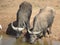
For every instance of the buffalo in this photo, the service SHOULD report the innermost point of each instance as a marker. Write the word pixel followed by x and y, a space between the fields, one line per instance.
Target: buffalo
pixel 23 18
pixel 42 23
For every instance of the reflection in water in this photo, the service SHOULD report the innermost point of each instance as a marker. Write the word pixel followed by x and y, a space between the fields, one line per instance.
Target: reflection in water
pixel 1 39
pixel 13 41
pixel 8 41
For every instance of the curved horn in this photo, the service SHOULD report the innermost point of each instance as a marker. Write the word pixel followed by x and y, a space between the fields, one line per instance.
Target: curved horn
pixel 16 28
pixel 36 32
pixel 33 32
pixel 30 32
pixel 0 27
pixel 20 29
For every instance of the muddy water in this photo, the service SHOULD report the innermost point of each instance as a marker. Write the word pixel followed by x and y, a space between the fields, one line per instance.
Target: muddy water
pixel 7 40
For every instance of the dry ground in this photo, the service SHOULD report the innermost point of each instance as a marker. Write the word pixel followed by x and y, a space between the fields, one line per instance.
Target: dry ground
pixel 8 10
